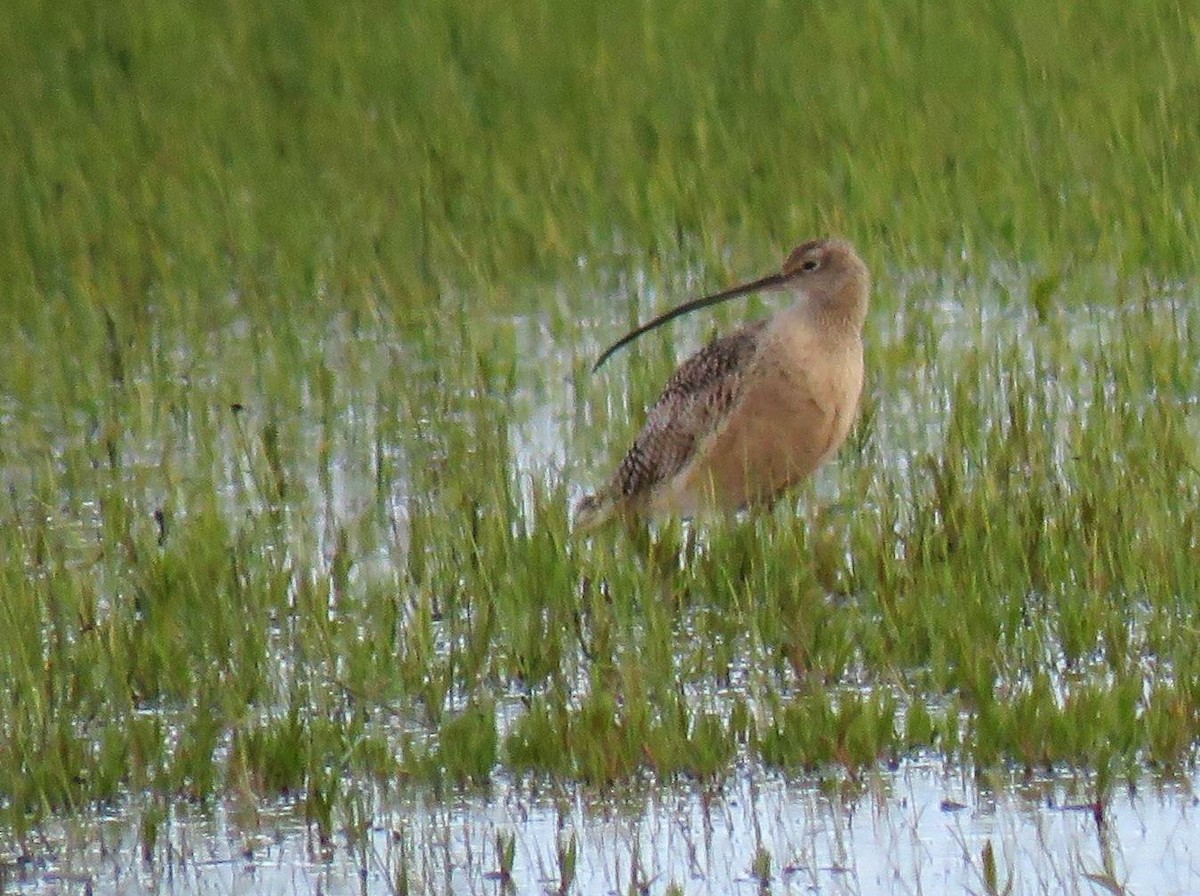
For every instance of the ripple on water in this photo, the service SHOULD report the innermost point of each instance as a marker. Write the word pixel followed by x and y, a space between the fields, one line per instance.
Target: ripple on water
pixel 919 828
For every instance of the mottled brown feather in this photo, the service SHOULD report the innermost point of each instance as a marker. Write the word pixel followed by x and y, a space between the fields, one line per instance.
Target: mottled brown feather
pixel 695 400
pixel 758 410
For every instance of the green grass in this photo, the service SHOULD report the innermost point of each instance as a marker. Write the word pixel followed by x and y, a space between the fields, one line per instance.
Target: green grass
pixel 301 304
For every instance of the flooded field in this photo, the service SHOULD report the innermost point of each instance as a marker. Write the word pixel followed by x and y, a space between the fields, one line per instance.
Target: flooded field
pixel 793 793
pixel 917 829
pixel 300 306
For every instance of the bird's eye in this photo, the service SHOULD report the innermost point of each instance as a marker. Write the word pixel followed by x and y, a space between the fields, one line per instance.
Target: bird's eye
pixel 810 265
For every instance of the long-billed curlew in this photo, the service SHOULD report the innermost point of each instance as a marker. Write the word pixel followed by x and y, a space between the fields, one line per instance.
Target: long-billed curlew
pixel 757 410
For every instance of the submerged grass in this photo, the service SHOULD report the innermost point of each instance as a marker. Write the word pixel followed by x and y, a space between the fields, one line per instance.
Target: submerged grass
pixel 293 418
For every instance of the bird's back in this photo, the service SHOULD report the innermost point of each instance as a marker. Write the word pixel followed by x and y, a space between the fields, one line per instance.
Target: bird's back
pixel 695 402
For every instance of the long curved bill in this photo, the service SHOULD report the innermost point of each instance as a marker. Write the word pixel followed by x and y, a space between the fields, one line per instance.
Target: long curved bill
pixel 771 281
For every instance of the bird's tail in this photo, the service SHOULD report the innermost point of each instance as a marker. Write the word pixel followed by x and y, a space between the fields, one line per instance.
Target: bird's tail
pixel 594 511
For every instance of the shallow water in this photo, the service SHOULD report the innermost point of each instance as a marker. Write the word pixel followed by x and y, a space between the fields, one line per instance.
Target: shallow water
pixel 918 829
pixel 923 828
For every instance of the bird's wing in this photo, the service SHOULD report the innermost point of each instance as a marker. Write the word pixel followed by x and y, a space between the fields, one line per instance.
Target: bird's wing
pixel 697 397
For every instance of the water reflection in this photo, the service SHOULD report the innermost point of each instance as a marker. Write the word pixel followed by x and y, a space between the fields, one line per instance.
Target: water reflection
pixel 352 437
pixel 918 829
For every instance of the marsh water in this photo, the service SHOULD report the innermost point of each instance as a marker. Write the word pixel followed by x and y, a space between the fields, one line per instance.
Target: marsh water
pixel 921 828
pixel 300 303
pixel 925 825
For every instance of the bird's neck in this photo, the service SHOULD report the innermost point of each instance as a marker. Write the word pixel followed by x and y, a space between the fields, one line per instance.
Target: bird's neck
pixel 836 319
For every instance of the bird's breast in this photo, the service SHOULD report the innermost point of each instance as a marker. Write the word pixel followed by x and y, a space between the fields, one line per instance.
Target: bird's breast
pixel 796 404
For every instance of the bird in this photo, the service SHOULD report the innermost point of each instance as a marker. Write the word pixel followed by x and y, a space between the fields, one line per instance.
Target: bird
pixel 754 411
